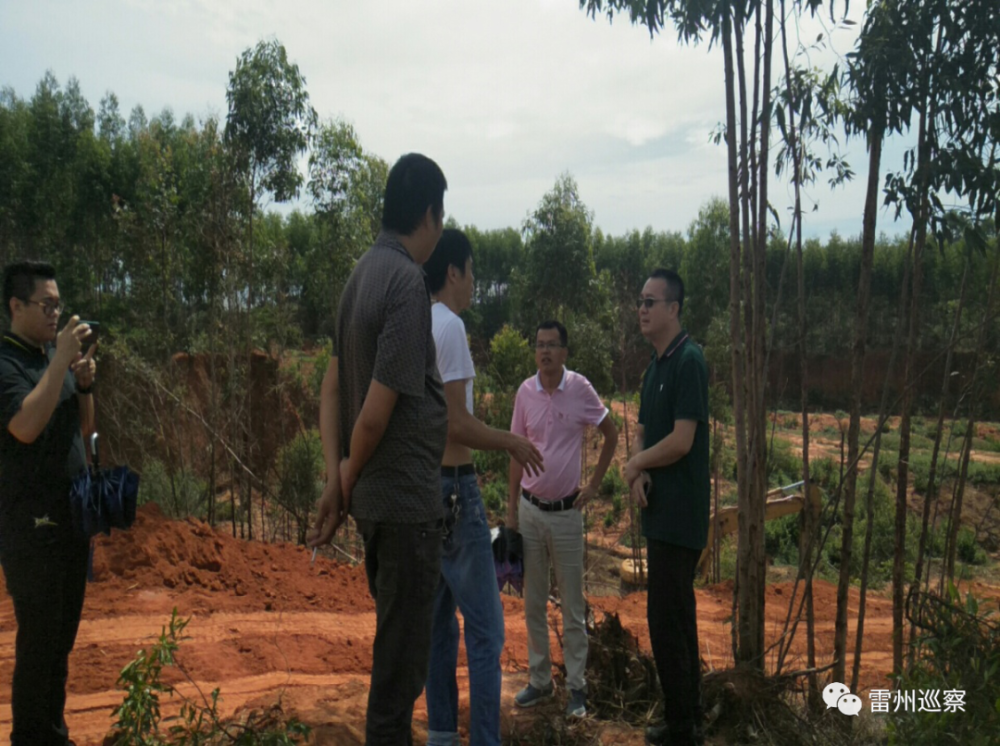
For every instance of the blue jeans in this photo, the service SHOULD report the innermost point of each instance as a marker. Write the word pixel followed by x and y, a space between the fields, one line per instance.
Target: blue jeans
pixel 468 582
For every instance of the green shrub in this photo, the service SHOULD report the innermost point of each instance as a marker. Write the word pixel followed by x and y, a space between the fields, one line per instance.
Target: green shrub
pixel 299 467
pixel 494 406
pixel 617 503
pixel 783 466
pixel 781 540
pixel 986 444
pixel 883 542
pixel 883 520
pixel 613 483
pixel 322 362
pixel 824 473
pixel 589 351
pixel 614 515
pixel 984 474
pixel 727 558
pixel 137 718
pixel 179 494
pixel 626 540
pixel 957 649
pixel 495 496
pixel 967 549
pixel 511 359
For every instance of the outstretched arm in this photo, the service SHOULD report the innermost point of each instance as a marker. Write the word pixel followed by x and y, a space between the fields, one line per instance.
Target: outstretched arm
pixel 465 429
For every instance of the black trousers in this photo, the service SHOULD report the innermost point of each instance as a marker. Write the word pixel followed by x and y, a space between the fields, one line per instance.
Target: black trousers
pixel 47 584
pixel 673 632
pixel 403 565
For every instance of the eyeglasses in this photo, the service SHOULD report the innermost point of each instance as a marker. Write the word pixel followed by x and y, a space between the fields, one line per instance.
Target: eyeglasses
pixel 648 303
pixel 548 345
pixel 48 307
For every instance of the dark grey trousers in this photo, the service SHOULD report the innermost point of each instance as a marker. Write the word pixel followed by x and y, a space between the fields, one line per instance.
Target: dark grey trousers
pixel 403 564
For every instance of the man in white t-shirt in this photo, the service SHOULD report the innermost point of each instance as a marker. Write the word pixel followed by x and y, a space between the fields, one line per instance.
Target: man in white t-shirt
pixel 468 579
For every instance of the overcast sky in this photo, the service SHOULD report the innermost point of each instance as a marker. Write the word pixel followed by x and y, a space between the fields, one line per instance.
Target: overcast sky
pixel 504 95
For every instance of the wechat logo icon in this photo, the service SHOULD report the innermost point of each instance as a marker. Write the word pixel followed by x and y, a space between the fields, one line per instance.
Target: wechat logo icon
pixel 837 695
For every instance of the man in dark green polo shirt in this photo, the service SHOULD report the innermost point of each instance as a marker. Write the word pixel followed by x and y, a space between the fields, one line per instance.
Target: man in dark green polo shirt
pixel 668 478
pixel 45 407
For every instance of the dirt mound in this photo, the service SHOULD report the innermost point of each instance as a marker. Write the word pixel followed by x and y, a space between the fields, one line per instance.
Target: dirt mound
pixel 190 555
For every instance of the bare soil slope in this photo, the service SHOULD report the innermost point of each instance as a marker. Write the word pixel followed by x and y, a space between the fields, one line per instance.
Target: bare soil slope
pixel 267 625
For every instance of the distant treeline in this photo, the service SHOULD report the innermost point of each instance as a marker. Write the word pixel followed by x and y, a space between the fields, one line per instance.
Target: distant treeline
pixel 154 229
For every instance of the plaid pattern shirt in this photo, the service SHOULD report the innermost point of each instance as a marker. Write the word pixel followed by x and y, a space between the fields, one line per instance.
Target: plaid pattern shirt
pixel 384 334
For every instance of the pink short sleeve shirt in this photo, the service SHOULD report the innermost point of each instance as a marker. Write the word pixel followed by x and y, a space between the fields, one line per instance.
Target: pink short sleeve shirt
pixel 555 424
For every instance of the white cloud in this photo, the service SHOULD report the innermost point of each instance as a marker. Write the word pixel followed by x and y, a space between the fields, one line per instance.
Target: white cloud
pixel 505 96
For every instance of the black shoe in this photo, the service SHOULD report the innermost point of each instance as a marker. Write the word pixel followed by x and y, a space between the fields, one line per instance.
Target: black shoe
pixel 661 735
pixel 658 735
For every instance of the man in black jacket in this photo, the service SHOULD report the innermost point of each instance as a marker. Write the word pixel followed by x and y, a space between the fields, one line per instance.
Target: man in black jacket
pixel 45 409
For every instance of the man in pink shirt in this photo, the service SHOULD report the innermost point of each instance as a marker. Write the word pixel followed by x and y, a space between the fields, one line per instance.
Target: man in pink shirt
pixel 552 410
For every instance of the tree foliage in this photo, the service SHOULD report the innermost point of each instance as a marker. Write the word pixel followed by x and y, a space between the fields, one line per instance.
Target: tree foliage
pixel 270 120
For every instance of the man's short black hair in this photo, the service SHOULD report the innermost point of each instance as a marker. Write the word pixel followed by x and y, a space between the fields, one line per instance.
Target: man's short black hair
pixel 20 278
pixel 553 324
pixel 675 286
pixel 452 250
pixel 414 184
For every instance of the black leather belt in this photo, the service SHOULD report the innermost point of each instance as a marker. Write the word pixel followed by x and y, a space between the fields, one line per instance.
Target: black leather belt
pixel 550 505
pixel 458 471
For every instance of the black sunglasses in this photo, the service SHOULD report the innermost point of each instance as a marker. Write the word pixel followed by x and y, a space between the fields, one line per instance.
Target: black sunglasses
pixel 648 303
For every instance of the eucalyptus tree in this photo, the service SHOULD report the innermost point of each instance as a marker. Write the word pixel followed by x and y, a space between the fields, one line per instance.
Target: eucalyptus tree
pixel 269 124
pixel 497 252
pixel 558 270
pixel 747 135
pixel 558 278
pixel 14 171
pixel 346 184
pixel 937 61
pixel 808 111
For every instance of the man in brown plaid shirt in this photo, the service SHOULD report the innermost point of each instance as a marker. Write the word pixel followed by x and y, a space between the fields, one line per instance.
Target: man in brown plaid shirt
pixel 383 421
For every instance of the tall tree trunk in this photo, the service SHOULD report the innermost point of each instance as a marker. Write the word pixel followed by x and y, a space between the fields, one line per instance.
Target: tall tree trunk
pixel 955 518
pixel 807 517
pixel 931 494
pixel 737 338
pixel 809 524
pixel 883 413
pixel 751 557
pixel 248 446
pixel 747 297
pixel 849 480
pixel 903 468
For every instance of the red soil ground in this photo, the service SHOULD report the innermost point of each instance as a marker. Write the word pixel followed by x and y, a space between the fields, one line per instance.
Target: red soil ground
pixel 266 625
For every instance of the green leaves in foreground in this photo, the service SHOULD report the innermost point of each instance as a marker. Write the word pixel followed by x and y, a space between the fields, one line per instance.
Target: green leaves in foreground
pixel 138 717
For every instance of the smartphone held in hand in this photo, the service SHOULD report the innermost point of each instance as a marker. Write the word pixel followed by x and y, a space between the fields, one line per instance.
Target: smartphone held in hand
pixel 95 328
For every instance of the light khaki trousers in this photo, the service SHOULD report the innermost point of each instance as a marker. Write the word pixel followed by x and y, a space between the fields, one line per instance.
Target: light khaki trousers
pixel 556 537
